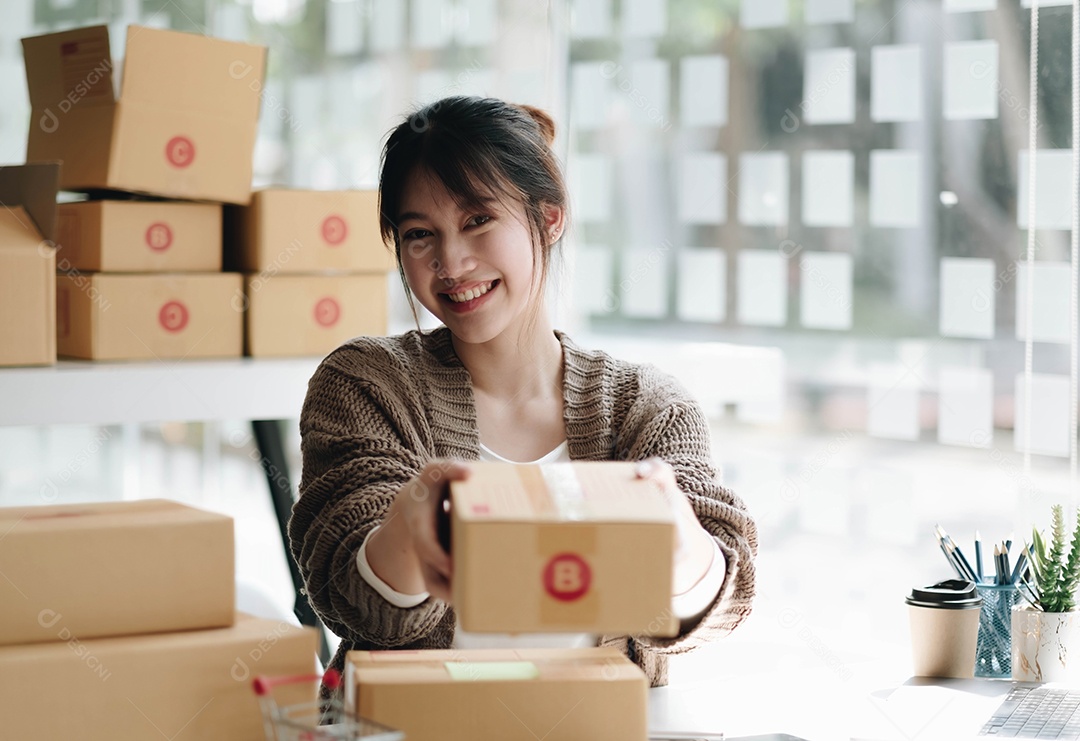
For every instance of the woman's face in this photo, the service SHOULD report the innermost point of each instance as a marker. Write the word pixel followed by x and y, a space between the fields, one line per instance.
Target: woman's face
pixel 474 270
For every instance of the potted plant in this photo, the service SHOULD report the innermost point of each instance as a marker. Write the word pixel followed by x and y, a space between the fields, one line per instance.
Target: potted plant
pixel 1046 631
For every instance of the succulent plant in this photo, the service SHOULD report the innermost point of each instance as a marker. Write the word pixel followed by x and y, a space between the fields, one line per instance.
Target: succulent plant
pixel 1051 586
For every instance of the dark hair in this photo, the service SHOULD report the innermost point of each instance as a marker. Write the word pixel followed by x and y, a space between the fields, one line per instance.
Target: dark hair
pixel 477 148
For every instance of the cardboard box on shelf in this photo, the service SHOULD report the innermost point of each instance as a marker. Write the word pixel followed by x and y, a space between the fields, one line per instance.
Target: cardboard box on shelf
pixel 565 547
pixel 511 695
pixel 311 314
pixel 182 126
pixel 28 264
pixel 305 231
pixel 117 316
pixel 113 568
pixel 139 236
pixel 189 686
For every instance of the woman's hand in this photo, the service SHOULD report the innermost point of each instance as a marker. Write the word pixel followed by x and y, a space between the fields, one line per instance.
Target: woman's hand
pixel 405 552
pixel 693 545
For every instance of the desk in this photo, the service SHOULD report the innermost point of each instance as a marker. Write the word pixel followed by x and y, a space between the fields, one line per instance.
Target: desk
pixel 870 704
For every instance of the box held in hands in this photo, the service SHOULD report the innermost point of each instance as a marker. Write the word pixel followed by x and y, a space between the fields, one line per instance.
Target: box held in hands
pixel 562 547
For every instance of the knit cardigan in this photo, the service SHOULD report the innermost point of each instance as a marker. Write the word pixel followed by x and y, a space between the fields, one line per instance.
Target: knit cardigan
pixel 378 409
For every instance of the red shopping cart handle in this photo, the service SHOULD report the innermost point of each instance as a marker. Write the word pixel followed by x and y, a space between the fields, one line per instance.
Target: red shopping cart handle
pixel 263 685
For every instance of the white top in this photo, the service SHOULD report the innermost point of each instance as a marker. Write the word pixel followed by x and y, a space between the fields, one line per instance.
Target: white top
pixel 686 605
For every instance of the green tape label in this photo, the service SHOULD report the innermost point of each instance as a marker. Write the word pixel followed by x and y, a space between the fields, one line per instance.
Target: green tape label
pixel 491 671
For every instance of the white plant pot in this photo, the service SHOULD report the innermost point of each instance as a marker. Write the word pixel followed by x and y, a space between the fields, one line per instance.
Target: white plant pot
pixel 1045 645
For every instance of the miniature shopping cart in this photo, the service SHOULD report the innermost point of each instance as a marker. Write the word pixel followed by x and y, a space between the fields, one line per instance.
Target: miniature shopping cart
pixel 317 720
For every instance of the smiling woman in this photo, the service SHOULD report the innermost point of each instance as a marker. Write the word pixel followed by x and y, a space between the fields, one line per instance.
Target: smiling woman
pixel 473 200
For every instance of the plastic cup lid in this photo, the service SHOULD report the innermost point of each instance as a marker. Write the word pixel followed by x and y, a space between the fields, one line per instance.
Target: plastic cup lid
pixel 953 594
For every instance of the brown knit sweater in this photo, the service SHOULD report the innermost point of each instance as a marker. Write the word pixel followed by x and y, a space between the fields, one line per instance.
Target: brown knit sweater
pixel 378 409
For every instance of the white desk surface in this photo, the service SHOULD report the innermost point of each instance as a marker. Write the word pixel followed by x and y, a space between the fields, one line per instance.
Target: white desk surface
pixel 83 392
pixel 868 704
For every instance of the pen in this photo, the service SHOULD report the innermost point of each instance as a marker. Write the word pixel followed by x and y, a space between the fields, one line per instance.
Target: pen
pixel 978 557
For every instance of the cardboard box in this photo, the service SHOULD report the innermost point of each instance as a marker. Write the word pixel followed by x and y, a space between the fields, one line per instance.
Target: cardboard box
pixel 566 547
pixel 311 314
pixel 189 686
pixel 523 695
pixel 307 231
pixel 139 236
pixel 113 568
pixel 182 126
pixel 27 264
pixel 116 316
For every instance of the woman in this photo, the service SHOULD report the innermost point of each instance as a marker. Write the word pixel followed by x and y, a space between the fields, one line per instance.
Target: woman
pixel 473 200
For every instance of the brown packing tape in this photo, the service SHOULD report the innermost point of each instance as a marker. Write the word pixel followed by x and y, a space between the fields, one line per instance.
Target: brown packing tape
pixel 532 481
pixel 564 551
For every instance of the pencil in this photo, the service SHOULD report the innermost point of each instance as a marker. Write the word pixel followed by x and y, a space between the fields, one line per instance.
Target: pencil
pixel 1018 570
pixel 959 554
pixel 951 560
pixel 978 557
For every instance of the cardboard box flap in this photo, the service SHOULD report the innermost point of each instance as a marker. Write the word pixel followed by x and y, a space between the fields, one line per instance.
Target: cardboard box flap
pixel 17 231
pixel 33 187
pixel 490 665
pixel 558 492
pixel 174 70
pixel 69 68
pixel 93 514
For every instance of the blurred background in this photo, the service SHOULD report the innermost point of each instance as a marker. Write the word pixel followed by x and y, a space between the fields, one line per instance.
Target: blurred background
pixel 811 211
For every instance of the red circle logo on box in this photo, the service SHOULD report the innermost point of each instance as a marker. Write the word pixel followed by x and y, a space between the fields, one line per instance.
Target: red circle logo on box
pixel 180 151
pixel 173 316
pixel 567 577
pixel 158 237
pixel 334 230
pixel 327 312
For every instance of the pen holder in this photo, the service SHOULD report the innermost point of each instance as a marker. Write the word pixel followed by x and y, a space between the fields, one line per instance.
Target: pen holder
pixel 993 652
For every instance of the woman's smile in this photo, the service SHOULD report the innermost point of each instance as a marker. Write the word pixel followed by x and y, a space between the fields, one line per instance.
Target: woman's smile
pixel 469 298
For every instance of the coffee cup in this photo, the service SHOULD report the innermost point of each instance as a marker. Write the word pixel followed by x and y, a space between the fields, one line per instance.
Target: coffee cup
pixel 944 628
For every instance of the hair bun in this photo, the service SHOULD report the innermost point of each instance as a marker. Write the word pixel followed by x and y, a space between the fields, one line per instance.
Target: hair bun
pixel 543 120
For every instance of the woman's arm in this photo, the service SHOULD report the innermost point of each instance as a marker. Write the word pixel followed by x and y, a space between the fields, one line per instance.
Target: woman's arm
pixel 361 443
pixel 665 422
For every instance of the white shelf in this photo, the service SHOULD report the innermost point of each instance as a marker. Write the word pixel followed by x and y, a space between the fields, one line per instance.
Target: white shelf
pixel 82 392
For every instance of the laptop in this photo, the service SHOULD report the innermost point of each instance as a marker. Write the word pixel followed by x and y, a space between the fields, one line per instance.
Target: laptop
pixel 920 709
pixel 978 710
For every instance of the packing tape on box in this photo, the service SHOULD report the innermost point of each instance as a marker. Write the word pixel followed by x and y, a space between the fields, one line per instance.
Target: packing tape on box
pixel 491 671
pixel 567 578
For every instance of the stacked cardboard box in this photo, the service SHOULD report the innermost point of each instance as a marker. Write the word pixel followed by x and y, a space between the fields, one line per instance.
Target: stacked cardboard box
pixel 315 269
pixel 122 614
pixel 141 279
pixel 510 695
pixel 27 264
